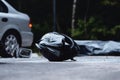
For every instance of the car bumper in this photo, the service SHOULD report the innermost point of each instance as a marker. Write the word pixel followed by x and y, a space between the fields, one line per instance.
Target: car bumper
pixel 27 39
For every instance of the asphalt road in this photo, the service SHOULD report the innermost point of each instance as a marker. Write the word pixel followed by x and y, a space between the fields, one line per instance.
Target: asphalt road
pixel 39 68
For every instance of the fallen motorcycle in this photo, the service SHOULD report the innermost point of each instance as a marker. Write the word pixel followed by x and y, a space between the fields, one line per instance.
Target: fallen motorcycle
pixel 57 47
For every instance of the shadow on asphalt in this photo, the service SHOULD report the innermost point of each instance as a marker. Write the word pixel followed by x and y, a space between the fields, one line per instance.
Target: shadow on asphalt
pixel 110 54
pixel 3 63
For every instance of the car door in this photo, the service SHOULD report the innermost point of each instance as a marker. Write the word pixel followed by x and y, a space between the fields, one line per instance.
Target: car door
pixel 3 18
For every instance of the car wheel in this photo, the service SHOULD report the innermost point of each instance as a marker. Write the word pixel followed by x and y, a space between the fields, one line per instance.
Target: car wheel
pixel 11 45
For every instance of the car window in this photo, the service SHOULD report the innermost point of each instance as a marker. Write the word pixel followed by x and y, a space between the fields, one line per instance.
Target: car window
pixel 14 3
pixel 3 8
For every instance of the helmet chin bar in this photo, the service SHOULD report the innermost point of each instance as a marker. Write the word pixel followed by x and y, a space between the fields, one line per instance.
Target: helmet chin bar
pixel 57 47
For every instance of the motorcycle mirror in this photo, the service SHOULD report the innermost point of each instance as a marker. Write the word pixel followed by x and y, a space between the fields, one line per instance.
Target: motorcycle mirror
pixel 25 53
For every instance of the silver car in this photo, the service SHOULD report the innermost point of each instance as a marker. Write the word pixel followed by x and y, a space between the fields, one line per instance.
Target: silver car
pixel 15 30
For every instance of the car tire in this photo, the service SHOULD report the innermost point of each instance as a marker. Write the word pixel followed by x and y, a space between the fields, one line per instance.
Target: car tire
pixel 11 45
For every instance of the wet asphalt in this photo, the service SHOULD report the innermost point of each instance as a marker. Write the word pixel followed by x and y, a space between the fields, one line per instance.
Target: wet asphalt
pixel 39 68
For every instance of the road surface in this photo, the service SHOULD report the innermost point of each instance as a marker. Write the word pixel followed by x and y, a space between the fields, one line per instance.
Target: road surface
pixel 39 68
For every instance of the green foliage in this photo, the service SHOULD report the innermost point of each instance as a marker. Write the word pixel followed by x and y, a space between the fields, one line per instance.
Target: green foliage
pixel 109 2
pixel 40 29
pixel 116 32
pixel 95 29
pixel 88 29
